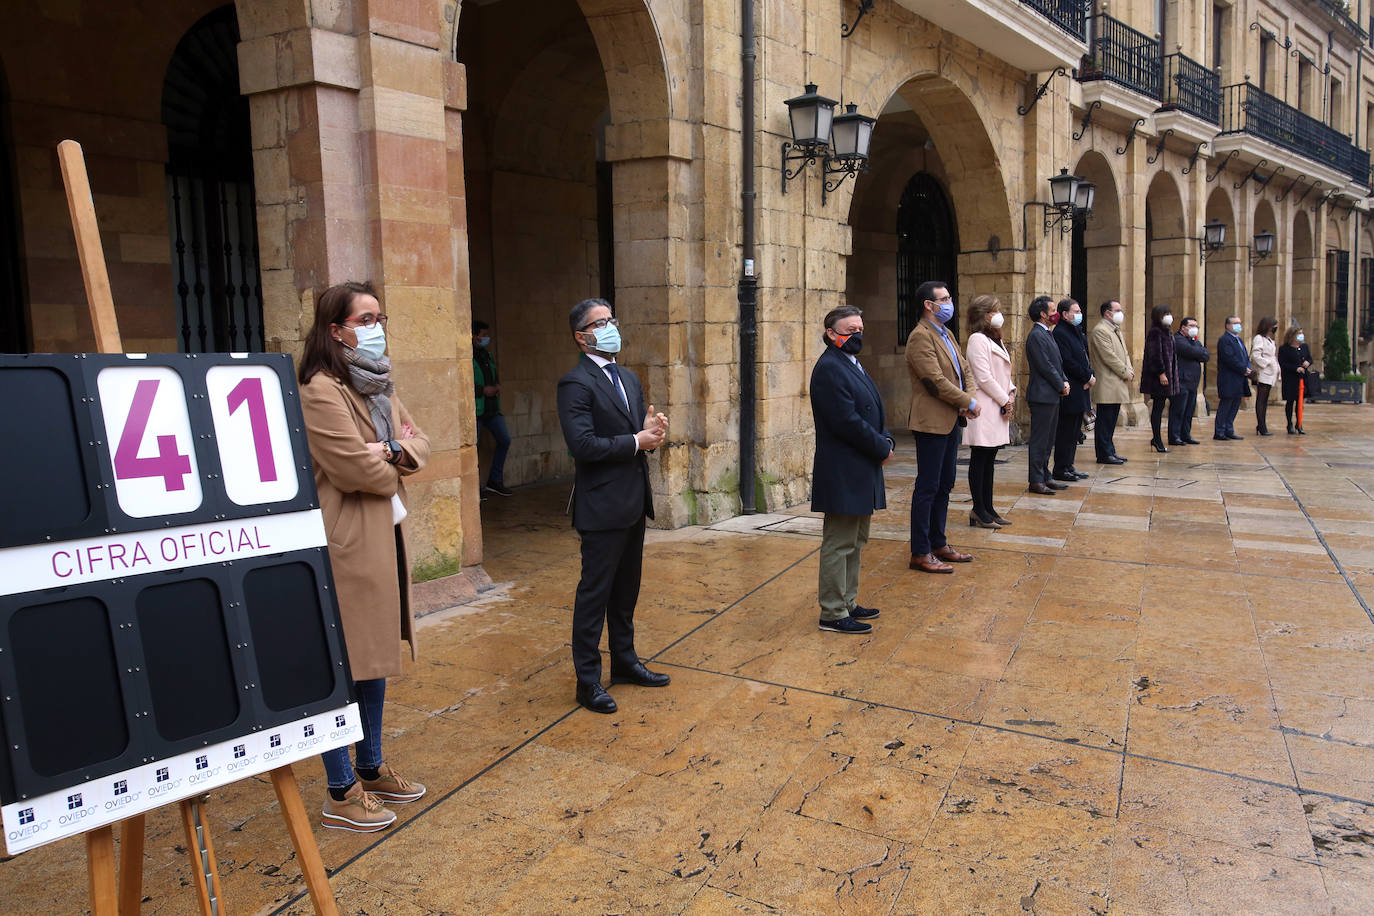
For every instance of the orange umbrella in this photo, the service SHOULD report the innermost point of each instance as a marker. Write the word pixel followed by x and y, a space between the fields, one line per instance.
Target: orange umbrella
pixel 1302 384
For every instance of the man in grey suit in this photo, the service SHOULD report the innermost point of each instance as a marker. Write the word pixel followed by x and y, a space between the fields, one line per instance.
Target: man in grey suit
pixel 1047 386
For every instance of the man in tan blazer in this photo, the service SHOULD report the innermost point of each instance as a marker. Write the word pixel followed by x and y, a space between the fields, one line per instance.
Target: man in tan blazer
pixel 1111 363
pixel 941 399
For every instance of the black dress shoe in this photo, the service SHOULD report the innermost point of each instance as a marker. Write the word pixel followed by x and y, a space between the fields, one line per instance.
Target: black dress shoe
pixel 595 698
pixel 1055 486
pixel 1066 476
pixel 1111 459
pixel 1189 440
pixel 1219 438
pixel 1080 475
pixel 639 676
pixel 1041 489
pixel 1233 436
pixel 1177 442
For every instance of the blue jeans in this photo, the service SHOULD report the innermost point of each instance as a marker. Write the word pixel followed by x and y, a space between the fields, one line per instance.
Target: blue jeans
pixel 496 425
pixel 935 462
pixel 371 695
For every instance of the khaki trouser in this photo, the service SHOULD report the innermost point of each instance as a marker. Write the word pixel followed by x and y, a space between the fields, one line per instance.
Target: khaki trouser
pixel 842 541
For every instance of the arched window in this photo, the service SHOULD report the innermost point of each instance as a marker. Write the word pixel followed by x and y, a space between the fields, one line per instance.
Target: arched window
pixel 211 212
pixel 927 249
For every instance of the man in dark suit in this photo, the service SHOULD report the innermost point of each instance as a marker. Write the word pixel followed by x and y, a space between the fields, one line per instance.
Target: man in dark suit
pixel 1073 351
pixel 599 408
pixel 1192 353
pixel 1047 386
pixel 847 473
pixel 1233 370
pixel 941 400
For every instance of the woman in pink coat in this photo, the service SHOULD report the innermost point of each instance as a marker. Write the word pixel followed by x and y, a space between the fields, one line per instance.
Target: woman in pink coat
pixel 990 364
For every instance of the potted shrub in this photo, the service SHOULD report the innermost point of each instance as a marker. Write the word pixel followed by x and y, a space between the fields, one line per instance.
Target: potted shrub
pixel 1339 384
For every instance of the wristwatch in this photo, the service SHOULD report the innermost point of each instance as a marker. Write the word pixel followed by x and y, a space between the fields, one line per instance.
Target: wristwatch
pixel 391 451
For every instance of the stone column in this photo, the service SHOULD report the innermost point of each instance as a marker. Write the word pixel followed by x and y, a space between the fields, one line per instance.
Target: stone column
pixel 351 146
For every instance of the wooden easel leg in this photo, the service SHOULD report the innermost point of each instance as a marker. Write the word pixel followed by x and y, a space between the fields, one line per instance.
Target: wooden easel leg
pixel 131 865
pixel 307 852
pixel 100 871
pixel 204 871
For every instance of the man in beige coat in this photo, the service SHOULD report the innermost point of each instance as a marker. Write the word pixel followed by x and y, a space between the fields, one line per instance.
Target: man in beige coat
pixel 941 399
pixel 1111 363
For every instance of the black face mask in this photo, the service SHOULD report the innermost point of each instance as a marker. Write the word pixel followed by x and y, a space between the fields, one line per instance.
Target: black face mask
pixel 852 344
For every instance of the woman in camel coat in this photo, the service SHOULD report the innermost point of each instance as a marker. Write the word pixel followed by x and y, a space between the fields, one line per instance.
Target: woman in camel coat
pixel 990 365
pixel 363 441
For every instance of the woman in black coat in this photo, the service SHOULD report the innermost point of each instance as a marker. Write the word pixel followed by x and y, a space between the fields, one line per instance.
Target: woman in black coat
pixel 1159 371
pixel 1294 361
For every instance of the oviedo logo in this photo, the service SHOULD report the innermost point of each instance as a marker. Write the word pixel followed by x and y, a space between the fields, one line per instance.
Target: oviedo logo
pixel 203 770
pixel 77 809
pixel 122 797
pixel 274 747
pixel 308 737
pixel 29 826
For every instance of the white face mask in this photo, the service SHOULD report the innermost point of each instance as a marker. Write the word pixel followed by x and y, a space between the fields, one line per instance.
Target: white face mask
pixel 996 320
pixel 1118 317
pixel 1302 338
pixel 371 341
pixel 1167 320
pixel 1192 332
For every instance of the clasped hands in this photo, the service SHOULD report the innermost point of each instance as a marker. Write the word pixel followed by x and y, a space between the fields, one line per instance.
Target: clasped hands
pixel 654 431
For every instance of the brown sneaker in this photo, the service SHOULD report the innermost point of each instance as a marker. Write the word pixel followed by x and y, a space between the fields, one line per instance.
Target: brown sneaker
pixel 360 811
pixel 392 787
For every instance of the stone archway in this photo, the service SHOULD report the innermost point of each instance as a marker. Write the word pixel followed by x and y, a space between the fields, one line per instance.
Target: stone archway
pixel 930 160
pixel 571 161
pixel 1170 253
pixel 1306 301
pixel 1222 272
pixel 1268 275
pixel 1099 248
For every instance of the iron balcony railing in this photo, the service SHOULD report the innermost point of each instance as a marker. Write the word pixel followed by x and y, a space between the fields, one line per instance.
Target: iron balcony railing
pixel 1247 109
pixel 1119 53
pixel 1341 13
pixel 1359 165
pixel 1191 87
pixel 1069 15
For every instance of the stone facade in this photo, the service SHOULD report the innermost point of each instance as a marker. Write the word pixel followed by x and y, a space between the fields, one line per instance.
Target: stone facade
pixel 501 159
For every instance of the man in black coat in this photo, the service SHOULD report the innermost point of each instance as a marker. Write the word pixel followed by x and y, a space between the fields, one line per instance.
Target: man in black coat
pixel 1191 353
pixel 599 408
pixel 1047 386
pixel 1073 351
pixel 847 474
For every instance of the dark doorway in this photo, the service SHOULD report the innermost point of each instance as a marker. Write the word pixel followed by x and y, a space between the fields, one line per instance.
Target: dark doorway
pixel 14 336
pixel 927 249
pixel 210 198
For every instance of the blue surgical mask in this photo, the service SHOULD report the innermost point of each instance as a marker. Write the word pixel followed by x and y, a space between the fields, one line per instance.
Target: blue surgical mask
pixel 1235 329
pixel 371 341
pixel 1302 338
pixel 945 312
pixel 608 339
pixel 483 341
pixel 1076 319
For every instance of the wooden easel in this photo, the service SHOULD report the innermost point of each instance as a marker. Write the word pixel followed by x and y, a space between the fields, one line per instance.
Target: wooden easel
pixel 124 898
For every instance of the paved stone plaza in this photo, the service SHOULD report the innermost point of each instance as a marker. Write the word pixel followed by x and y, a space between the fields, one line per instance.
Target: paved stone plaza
pixel 1154 693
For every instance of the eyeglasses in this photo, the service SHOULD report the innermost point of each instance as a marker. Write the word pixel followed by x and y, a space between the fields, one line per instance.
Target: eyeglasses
pixel 600 323
pixel 946 300
pixel 365 321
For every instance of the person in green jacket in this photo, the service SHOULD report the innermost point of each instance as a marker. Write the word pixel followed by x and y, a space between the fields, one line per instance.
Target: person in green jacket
pixel 488 392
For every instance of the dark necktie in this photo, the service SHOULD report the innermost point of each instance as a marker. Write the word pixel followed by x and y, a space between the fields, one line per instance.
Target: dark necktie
pixel 614 370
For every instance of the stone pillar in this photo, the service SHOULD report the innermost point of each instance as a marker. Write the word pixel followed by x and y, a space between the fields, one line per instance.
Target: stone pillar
pixel 350 137
pixel 658 299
